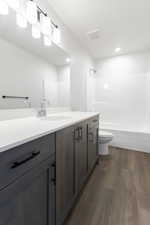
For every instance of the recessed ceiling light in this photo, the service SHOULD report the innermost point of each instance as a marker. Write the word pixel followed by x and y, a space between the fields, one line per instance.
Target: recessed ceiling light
pixel 68 60
pixel 106 86
pixel 117 49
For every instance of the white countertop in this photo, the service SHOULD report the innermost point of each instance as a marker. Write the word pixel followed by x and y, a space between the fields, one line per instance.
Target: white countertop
pixel 19 131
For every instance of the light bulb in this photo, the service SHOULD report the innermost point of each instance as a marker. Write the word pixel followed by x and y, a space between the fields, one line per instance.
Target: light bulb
pixel 47 41
pixel 14 4
pixel 117 49
pixel 36 31
pixel 56 36
pixel 106 86
pixel 31 12
pixel 46 25
pixel 21 20
pixel 3 8
pixel 68 60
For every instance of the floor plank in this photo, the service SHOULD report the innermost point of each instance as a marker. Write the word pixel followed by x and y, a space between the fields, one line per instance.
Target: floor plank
pixel 118 192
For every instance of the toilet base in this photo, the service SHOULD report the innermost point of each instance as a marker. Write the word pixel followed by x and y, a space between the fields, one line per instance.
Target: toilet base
pixel 103 149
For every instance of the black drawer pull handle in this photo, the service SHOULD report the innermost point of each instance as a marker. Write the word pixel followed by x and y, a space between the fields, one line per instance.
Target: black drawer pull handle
pixel 94 121
pixel 76 134
pixel 80 133
pixel 53 179
pixel 32 156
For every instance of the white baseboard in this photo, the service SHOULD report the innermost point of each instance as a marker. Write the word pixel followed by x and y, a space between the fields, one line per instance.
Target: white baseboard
pixel 136 141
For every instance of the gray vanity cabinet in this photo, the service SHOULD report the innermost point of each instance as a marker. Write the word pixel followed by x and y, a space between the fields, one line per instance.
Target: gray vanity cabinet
pixel 17 161
pixel 30 199
pixel 40 180
pixel 65 186
pixel 92 134
pixel 71 167
pixel 27 186
pixel 80 155
pixel 76 155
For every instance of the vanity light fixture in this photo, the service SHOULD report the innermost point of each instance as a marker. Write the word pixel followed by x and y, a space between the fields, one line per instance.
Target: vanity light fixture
pixel 117 50
pixel 47 41
pixel 3 8
pixel 21 20
pixel 36 33
pixel 31 12
pixel 14 4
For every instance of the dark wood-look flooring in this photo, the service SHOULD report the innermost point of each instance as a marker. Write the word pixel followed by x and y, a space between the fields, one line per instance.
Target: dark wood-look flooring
pixel 118 192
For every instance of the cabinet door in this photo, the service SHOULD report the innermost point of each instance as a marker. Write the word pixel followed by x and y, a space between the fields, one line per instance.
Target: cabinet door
pixel 93 125
pixel 80 155
pixel 65 187
pixel 27 200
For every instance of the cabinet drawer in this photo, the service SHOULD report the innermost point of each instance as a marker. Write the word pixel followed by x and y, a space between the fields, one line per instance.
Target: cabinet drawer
pixel 17 161
pixel 30 200
pixel 93 122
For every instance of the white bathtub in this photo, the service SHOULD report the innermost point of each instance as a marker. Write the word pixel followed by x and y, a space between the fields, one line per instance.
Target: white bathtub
pixel 131 137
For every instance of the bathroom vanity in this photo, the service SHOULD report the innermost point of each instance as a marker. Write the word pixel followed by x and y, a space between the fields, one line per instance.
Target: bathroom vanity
pixel 41 179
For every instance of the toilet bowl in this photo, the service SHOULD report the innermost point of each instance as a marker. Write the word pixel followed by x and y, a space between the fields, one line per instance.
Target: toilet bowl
pixel 104 139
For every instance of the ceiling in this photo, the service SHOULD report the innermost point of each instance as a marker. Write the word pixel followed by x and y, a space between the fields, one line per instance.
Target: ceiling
pixel 122 23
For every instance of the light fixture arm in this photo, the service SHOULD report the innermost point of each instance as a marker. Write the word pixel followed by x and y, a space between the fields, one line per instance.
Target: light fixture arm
pixel 45 14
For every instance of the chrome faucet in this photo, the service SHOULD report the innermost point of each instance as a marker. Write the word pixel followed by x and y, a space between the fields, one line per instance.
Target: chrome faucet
pixel 42 112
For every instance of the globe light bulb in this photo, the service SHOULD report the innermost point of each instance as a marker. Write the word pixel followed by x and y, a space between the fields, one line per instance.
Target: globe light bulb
pixel 3 8
pixel 47 41
pixel 21 20
pixel 31 12
pixel 36 33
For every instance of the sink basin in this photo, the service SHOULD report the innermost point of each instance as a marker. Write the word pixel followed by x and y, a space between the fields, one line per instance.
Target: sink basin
pixel 56 118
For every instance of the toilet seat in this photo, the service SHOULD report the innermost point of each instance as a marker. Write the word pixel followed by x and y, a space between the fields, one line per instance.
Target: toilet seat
pixel 105 134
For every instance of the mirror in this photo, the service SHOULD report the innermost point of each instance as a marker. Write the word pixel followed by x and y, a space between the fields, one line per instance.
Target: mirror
pixel 25 63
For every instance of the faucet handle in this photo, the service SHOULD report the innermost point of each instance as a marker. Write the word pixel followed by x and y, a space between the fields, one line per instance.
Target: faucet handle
pixel 28 103
pixel 41 113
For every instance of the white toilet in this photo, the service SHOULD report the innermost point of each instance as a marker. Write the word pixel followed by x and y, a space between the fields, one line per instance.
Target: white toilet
pixel 104 139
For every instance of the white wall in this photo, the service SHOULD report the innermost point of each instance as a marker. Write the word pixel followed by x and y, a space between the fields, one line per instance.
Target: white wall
pixel 64 86
pixel 121 90
pixel 21 74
